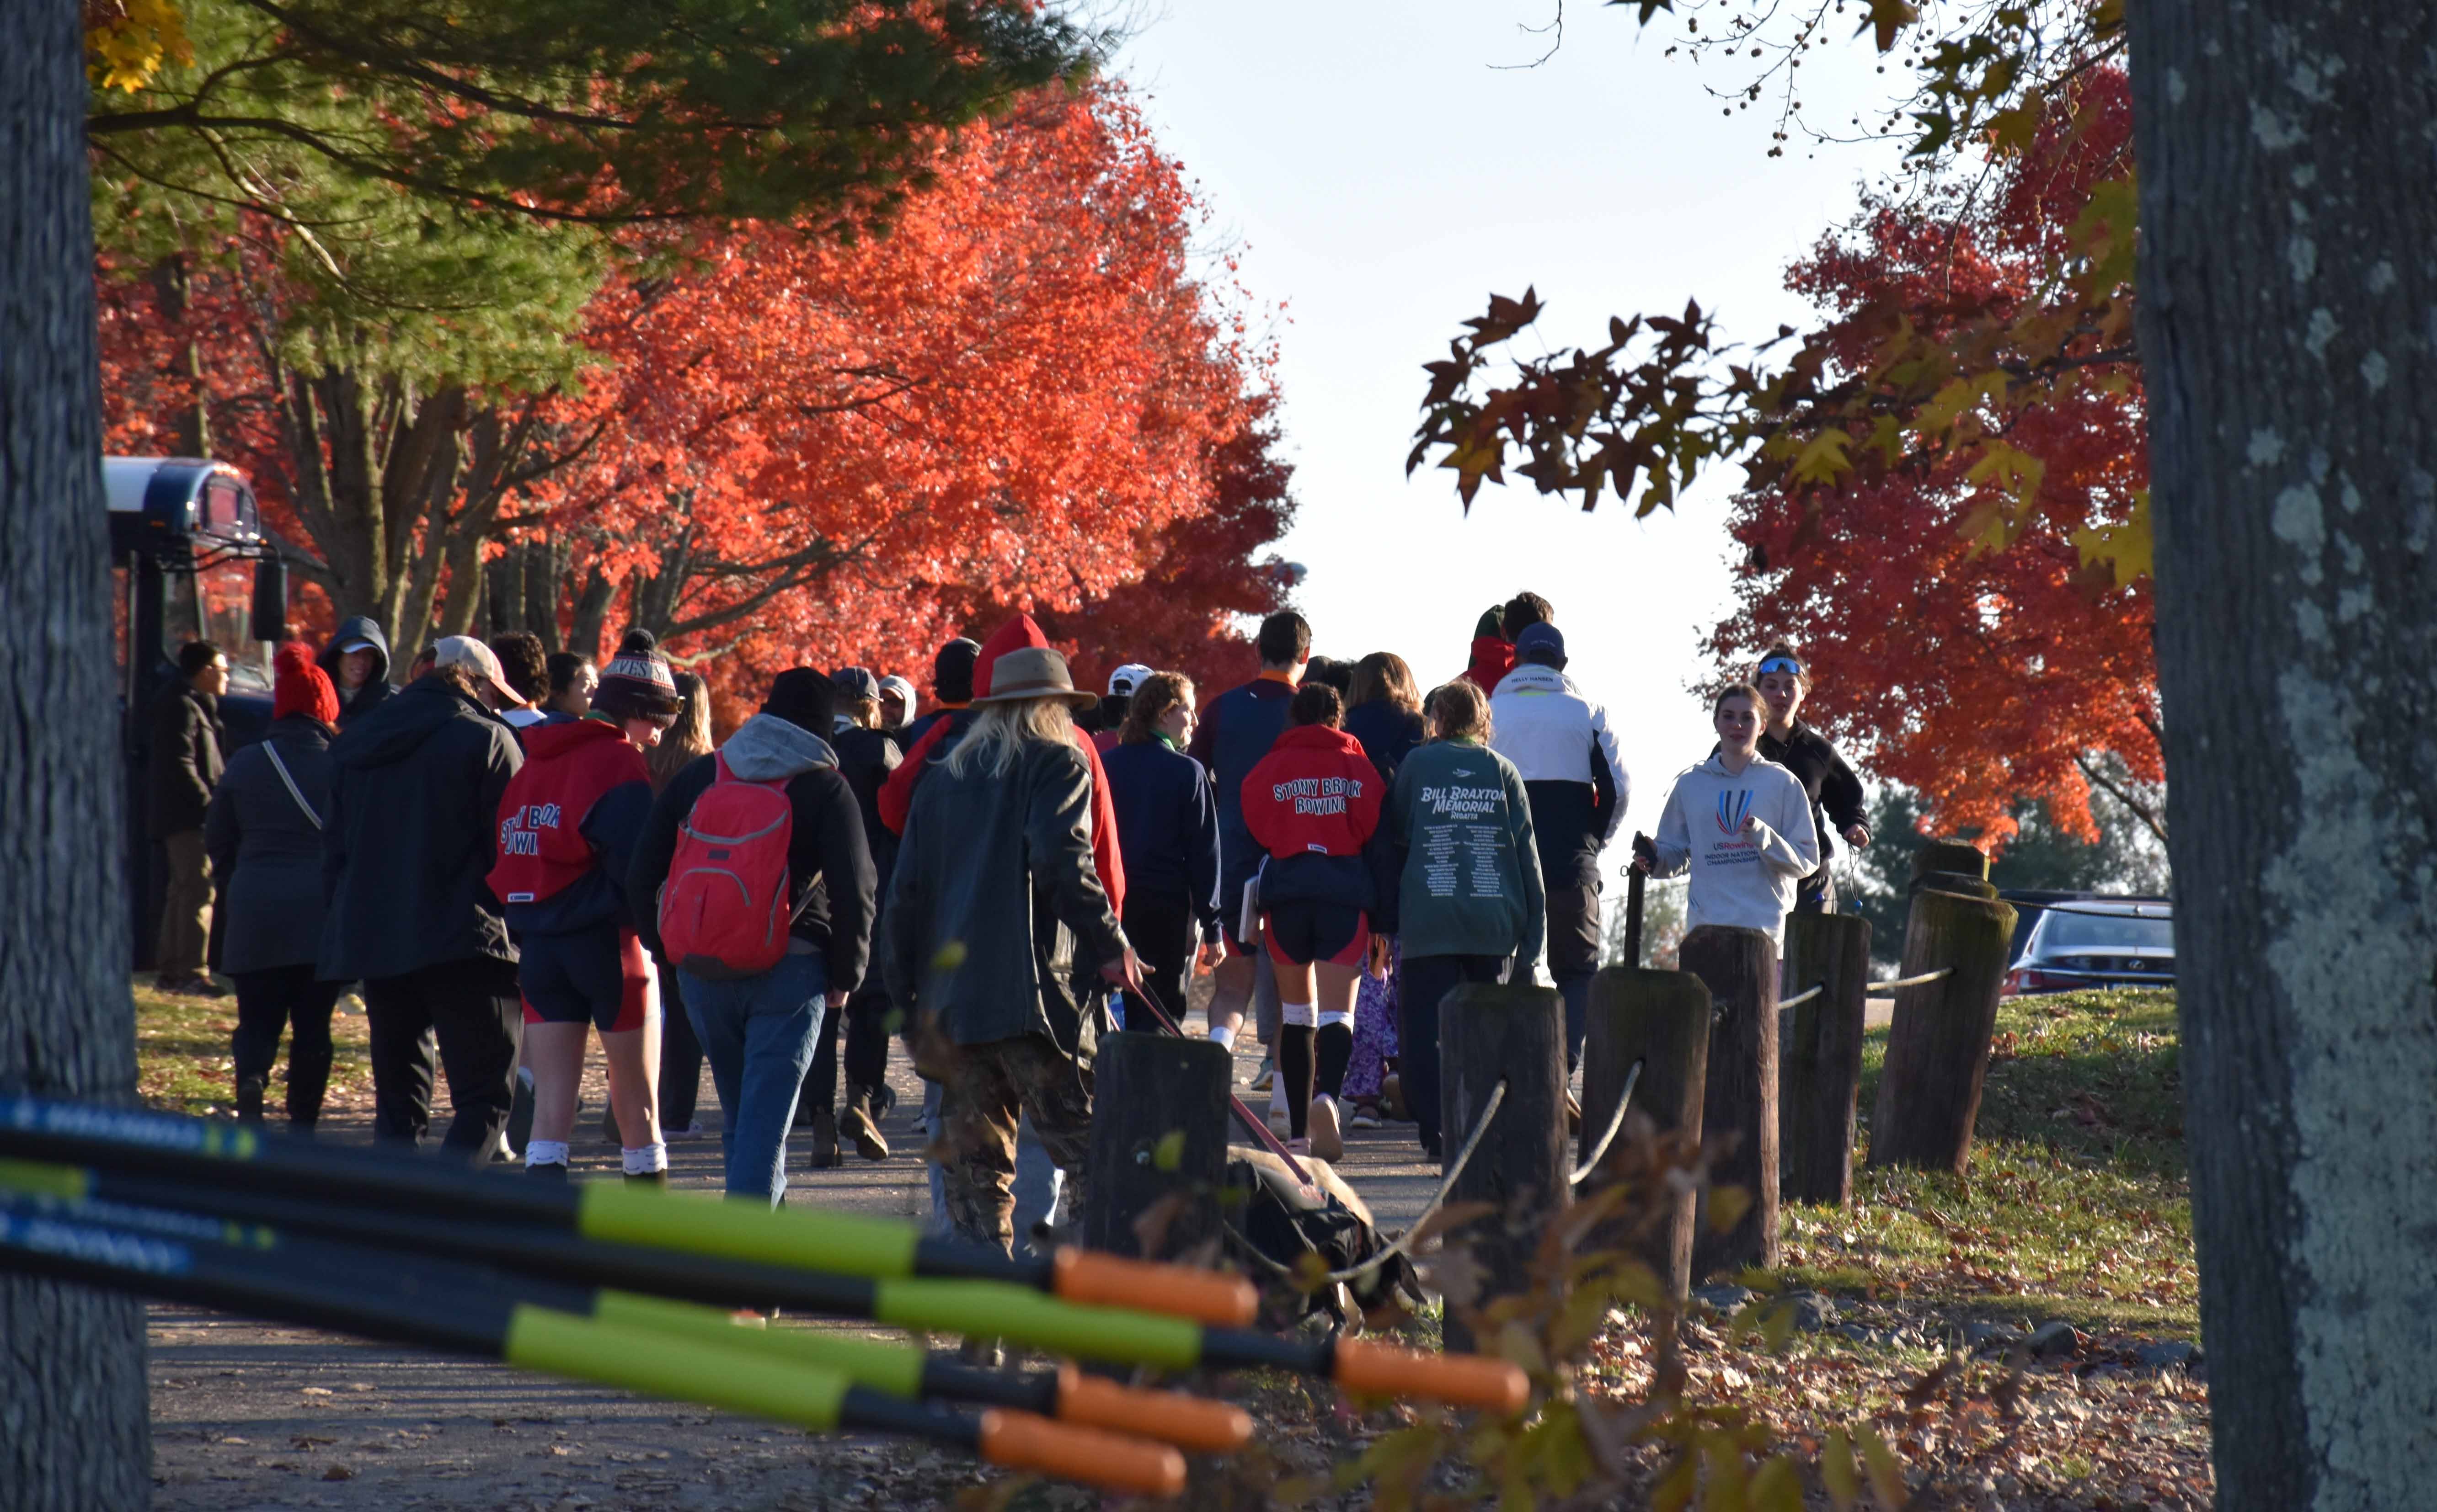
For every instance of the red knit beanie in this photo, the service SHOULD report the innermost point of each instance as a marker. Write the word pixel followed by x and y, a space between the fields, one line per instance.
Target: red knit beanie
pixel 298 687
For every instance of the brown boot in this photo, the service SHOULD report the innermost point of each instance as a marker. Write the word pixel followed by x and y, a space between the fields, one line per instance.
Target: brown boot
pixel 825 1145
pixel 861 1126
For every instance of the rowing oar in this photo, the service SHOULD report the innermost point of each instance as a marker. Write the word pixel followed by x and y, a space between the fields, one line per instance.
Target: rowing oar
pixel 1258 1128
pixel 975 1309
pixel 906 1370
pixel 358 1291
pixel 183 1148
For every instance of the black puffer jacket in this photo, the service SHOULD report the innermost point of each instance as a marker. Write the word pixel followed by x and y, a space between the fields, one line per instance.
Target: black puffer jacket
pixel 266 852
pixel 183 760
pixel 412 835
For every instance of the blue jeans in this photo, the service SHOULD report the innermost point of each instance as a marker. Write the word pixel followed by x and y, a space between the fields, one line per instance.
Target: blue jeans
pixel 758 1033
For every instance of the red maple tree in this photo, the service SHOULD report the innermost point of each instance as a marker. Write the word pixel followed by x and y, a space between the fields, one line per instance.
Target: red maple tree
pixel 1978 677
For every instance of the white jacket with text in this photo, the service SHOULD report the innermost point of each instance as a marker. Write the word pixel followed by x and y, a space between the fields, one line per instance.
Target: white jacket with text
pixel 1747 839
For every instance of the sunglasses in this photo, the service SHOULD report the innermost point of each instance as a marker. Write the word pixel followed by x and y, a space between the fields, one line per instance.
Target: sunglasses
pixel 1781 664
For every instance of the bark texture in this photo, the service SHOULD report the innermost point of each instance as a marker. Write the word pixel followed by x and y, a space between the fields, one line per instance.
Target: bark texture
pixel 73 1428
pixel 1939 1038
pixel 2288 307
pixel 1823 1054
pixel 1159 1143
pixel 1660 1020
pixel 1739 1107
pixel 1491 1032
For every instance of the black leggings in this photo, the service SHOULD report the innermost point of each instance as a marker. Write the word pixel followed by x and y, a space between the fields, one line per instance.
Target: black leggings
pixel 266 1002
pixel 680 1056
pixel 1160 925
pixel 866 1050
pixel 1424 981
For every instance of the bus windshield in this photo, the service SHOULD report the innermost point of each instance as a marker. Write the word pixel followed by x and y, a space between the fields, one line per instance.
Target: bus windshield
pixel 215 603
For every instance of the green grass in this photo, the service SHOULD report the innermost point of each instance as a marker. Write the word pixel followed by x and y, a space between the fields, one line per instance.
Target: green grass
pixel 2077 1204
pixel 182 1053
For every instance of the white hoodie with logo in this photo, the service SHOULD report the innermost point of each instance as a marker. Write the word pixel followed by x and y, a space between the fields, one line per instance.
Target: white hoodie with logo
pixel 1743 876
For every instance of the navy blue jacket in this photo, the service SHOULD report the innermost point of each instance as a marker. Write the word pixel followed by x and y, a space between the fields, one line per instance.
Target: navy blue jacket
pixel 1168 825
pixel 1236 732
pixel 1387 735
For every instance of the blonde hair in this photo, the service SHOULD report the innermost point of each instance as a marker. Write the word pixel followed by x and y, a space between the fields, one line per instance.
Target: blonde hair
pixel 1000 731
pixel 1460 711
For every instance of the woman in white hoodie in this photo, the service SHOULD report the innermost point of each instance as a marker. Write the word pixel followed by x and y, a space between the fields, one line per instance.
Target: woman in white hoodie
pixel 1739 822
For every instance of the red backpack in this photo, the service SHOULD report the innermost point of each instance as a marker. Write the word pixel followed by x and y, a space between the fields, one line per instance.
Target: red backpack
pixel 724 910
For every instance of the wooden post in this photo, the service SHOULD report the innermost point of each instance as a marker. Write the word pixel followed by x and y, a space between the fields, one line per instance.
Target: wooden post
pixel 1159 1131
pixel 1740 968
pixel 1491 1032
pixel 1950 856
pixel 1661 1019
pixel 1963 882
pixel 1937 1046
pixel 1823 1053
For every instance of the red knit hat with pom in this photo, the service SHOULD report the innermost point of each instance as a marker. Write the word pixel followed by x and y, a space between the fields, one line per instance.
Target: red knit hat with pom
pixel 298 687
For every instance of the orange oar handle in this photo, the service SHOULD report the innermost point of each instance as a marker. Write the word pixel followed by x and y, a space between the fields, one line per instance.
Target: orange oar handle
pixel 1213 1298
pixel 1087 1455
pixel 1464 1379
pixel 1171 1417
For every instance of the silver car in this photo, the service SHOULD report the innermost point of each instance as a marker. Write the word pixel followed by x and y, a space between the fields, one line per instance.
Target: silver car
pixel 2097 944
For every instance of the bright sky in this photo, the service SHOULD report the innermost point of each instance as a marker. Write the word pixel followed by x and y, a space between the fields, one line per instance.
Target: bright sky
pixel 1383 179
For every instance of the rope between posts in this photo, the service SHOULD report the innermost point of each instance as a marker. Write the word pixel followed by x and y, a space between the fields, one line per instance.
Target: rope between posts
pixel 1801 997
pixel 1911 981
pixel 1624 1099
pixel 1479 1127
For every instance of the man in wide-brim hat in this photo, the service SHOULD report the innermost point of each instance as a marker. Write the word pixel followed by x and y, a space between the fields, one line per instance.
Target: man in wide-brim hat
pixel 986 972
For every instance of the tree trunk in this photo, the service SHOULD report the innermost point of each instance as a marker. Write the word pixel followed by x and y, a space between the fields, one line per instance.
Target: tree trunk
pixel 1823 1053
pixel 2288 203
pixel 1491 1032
pixel 1938 1043
pixel 1159 1140
pixel 73 1434
pixel 1739 1107
pixel 1660 1020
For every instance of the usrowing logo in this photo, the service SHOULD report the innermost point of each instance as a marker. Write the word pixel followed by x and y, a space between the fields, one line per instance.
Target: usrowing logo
pixel 1733 808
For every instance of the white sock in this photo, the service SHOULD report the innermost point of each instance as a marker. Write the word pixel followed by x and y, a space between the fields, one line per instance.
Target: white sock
pixel 1278 1095
pixel 545 1152
pixel 645 1161
pixel 1223 1035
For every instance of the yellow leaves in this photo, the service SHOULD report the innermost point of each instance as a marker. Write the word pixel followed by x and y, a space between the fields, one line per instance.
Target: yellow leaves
pixel 2130 547
pixel 1878 1463
pixel 1886 1476
pixel 1836 1472
pixel 1951 402
pixel 1992 525
pixel 1775 1487
pixel 1822 459
pixel 1727 1205
pixel 2103 235
pixel 126 41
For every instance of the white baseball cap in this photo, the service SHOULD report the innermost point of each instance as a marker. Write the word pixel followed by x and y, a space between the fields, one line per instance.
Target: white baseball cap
pixel 1127 678
pixel 464 651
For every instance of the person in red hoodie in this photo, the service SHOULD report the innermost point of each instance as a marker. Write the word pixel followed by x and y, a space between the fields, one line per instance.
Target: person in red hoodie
pixel 1493 655
pixel 567 825
pixel 1313 805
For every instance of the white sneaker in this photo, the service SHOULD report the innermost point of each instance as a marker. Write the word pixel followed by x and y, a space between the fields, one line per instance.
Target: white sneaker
pixel 1363 1118
pixel 1328 1141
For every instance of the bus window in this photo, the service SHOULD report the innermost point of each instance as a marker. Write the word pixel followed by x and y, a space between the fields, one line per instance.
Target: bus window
pixel 214 603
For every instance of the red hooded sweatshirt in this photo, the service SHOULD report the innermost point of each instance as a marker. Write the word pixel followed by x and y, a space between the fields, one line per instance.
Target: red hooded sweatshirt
pixel 1493 657
pixel 897 793
pixel 1313 804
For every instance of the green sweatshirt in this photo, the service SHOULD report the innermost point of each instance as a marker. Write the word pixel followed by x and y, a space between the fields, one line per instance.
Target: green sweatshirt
pixel 1470 875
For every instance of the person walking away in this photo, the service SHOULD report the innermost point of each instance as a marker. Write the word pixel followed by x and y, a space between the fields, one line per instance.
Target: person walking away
pixel 527 668
pixel 1111 727
pixel 1313 804
pixel 1565 747
pixel 897 702
pixel 357 662
pixel 1167 828
pixel 1739 822
pixel 405 853
pixel 680 1079
pixel 952 688
pixel 772 802
pixel 1493 655
pixel 184 764
pixel 572 678
pixel 1470 904
pixel 1241 728
pixel 568 826
pixel 1836 793
pixel 866 756
pixel 263 833
pixel 1384 712
pixel 997 1021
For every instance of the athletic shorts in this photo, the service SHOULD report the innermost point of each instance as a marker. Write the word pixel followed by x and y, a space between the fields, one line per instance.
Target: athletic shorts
pixel 1301 933
pixel 600 976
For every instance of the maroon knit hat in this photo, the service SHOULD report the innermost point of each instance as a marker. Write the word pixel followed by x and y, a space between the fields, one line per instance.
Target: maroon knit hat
pixel 636 684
